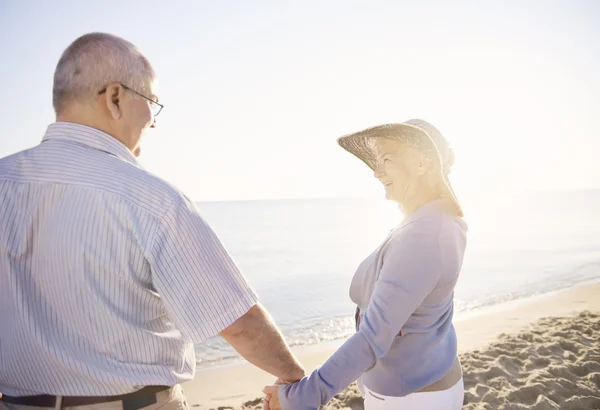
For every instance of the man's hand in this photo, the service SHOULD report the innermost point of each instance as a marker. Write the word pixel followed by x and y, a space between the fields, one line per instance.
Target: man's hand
pixel 279 382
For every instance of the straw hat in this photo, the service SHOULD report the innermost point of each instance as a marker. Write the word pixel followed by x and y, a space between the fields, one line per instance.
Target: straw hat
pixel 416 133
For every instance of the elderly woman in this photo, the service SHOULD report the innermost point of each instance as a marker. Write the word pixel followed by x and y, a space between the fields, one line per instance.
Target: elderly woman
pixel 404 353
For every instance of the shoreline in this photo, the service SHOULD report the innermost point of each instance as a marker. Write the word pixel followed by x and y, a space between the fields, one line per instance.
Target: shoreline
pixel 474 330
pixel 331 345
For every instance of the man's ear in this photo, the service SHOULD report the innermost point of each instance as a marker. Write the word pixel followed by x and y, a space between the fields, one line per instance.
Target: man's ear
pixel 112 99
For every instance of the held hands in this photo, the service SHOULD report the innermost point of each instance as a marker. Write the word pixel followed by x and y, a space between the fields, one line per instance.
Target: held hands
pixel 271 400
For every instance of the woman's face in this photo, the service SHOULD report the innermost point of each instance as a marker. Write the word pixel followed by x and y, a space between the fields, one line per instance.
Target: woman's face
pixel 399 167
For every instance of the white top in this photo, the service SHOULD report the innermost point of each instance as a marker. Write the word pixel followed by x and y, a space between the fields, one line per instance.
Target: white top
pixel 108 275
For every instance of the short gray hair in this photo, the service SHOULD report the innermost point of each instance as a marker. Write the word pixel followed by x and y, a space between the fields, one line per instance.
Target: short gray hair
pixel 95 60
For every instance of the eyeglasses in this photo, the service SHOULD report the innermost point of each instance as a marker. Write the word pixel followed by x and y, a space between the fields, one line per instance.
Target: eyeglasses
pixel 155 107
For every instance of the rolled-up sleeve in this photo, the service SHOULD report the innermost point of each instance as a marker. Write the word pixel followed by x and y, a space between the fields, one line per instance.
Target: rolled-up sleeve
pixel 202 288
pixel 410 270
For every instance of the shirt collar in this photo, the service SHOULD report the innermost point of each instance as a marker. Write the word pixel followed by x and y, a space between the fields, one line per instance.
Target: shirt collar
pixel 90 137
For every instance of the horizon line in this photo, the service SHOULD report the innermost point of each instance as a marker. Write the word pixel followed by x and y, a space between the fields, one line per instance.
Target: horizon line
pixel 499 191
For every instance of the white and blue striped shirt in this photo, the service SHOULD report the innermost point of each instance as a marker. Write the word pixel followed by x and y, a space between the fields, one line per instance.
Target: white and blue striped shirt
pixel 108 275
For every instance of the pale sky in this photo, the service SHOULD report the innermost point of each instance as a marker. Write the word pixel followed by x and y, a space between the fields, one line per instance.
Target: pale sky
pixel 256 93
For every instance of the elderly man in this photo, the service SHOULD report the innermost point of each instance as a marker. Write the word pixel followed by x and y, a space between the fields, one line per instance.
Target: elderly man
pixel 108 275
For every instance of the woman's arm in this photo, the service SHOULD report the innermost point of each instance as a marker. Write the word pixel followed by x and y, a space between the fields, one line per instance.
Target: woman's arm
pixel 410 271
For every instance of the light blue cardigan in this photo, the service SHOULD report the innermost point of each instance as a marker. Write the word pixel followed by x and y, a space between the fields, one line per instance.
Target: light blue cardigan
pixel 406 285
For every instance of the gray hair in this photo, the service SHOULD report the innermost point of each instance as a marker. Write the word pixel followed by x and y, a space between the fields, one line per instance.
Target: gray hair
pixel 95 60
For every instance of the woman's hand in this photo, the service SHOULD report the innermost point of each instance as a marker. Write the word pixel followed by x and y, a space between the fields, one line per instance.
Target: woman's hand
pixel 271 401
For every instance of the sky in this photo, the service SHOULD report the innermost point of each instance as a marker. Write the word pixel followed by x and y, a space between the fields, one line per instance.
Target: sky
pixel 256 93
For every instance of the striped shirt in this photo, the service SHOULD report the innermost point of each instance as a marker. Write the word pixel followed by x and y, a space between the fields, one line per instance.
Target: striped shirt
pixel 108 274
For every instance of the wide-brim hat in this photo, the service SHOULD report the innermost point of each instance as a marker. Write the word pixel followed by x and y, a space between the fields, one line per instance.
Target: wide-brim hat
pixel 415 133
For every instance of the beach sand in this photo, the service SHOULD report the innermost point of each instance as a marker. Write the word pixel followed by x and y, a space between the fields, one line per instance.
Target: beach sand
pixel 541 353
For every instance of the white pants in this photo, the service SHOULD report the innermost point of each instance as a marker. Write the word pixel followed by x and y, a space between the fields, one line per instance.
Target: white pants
pixel 451 399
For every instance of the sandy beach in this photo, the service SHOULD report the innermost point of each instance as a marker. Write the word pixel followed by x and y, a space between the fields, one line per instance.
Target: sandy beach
pixel 538 353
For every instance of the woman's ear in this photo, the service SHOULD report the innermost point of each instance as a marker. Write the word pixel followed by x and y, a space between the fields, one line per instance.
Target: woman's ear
pixel 425 165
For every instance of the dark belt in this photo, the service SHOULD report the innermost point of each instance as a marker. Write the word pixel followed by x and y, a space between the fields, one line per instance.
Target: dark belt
pixel 131 401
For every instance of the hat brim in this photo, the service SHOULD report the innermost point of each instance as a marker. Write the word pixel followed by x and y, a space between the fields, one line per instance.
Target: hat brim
pixel 360 145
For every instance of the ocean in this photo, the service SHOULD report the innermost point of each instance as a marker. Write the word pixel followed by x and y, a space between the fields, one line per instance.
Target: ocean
pixel 300 255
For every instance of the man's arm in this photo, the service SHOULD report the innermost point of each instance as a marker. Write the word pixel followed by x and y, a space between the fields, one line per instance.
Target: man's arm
pixel 257 339
pixel 205 293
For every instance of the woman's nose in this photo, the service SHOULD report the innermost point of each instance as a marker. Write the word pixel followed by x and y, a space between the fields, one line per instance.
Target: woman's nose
pixel 378 172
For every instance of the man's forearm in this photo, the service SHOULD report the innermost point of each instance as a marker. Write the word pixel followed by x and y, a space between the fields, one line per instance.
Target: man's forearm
pixel 258 340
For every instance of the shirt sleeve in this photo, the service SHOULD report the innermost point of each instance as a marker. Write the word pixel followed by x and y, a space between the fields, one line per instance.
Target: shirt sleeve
pixel 410 270
pixel 202 288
